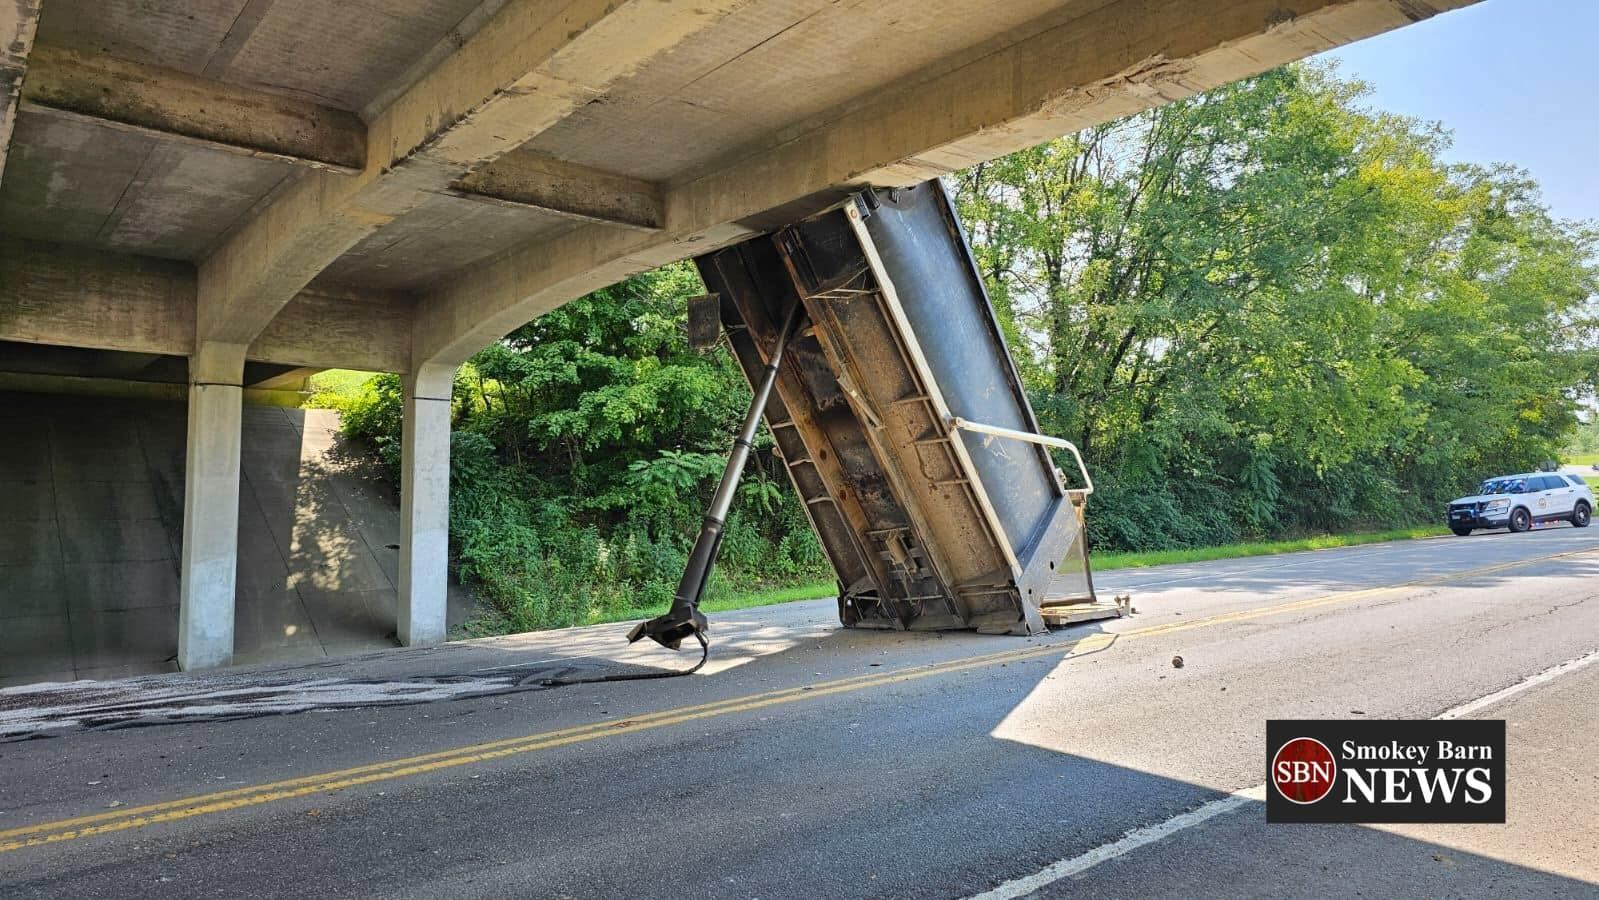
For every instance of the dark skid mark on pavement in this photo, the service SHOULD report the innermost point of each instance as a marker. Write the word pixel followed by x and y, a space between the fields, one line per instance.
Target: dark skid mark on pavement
pixel 53 710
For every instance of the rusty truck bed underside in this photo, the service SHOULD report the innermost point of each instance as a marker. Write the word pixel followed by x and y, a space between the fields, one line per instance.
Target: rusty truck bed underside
pixel 901 418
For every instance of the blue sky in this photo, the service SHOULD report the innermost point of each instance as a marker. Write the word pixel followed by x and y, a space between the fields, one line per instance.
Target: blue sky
pixel 1516 81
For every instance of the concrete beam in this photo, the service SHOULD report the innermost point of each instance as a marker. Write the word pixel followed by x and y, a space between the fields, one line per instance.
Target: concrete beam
pixel 293 380
pixel 169 104
pixel 526 179
pixel 525 70
pixel 488 302
pixel 75 297
pixel 1071 77
pixel 19 22
pixel 369 330
pixel 1064 77
pixel 118 389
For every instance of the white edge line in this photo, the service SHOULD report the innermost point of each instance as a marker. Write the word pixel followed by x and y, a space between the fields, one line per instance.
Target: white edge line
pixel 1133 840
pixel 1142 837
pixel 1531 681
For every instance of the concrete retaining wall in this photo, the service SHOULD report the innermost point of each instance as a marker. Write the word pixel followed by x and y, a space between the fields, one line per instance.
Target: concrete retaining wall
pixel 91 506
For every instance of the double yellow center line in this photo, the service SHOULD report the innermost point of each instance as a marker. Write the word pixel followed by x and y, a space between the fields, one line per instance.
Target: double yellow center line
pixel 256 795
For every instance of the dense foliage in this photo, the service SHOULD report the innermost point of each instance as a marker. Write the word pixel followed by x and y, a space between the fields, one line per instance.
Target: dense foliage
pixel 585 449
pixel 1260 312
pixel 1264 310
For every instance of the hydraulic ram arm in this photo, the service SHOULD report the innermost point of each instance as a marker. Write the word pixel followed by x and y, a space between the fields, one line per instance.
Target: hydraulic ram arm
pixel 684 618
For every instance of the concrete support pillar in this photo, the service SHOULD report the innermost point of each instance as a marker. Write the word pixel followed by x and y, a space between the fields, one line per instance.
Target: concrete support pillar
pixel 211 506
pixel 425 506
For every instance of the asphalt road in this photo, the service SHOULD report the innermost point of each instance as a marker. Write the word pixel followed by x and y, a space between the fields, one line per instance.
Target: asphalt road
pixel 809 761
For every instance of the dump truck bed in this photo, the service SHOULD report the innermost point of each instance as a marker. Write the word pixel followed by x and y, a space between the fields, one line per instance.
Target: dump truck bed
pixel 929 522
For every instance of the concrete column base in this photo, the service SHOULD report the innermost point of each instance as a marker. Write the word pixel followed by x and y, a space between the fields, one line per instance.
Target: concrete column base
pixel 425 507
pixel 211 507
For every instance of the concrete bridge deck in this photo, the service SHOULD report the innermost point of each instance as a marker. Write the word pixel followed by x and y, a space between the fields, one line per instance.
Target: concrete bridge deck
pixel 394 186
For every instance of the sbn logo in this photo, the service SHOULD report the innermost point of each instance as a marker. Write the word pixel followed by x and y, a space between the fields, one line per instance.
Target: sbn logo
pixel 1303 771
pixel 1385 770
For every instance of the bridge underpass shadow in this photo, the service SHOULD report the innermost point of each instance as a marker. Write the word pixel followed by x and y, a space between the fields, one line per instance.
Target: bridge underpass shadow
pixel 91 525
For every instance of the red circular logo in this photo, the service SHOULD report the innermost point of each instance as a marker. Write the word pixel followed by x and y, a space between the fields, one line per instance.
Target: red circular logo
pixel 1303 770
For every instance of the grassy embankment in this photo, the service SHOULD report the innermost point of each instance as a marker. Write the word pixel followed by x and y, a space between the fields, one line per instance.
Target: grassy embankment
pixel 1102 562
pixel 338 382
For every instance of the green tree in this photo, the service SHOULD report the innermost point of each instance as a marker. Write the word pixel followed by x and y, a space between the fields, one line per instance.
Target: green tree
pixel 1265 309
pixel 585 449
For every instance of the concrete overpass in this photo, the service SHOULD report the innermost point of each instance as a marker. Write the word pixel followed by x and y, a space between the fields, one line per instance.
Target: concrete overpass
pixel 300 184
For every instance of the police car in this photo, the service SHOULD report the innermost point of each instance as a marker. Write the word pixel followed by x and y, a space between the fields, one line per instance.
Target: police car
pixel 1518 502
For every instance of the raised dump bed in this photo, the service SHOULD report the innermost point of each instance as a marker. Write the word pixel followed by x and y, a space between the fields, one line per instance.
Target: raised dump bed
pixel 902 420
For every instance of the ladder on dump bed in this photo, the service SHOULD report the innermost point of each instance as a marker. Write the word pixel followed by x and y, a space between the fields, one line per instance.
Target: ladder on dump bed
pixel 903 424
